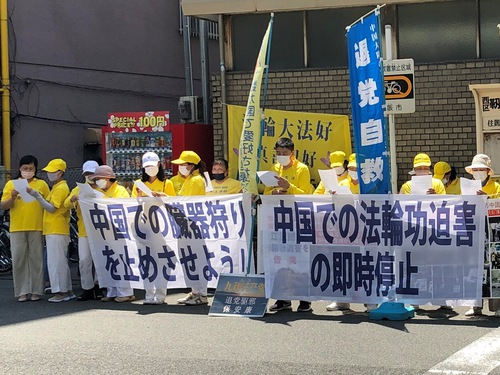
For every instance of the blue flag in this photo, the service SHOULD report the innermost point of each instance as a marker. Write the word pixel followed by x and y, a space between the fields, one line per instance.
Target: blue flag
pixel 368 102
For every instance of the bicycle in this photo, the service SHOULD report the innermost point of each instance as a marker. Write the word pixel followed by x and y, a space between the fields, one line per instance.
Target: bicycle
pixel 5 252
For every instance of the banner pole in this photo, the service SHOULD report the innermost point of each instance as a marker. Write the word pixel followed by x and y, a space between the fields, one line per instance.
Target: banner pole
pixel 262 124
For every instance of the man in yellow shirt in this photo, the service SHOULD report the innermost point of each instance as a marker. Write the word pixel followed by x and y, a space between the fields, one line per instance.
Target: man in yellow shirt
pixel 337 162
pixel 293 178
pixel 221 183
pixel 422 167
pixel 448 176
pixel 85 264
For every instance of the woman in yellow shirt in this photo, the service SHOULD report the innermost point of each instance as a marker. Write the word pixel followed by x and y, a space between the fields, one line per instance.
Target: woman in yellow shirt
pixel 56 230
pixel 192 167
pixel 153 176
pixel 26 238
pixel 105 179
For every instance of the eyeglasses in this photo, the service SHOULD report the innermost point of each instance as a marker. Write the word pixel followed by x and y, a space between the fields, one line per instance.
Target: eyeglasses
pixel 28 169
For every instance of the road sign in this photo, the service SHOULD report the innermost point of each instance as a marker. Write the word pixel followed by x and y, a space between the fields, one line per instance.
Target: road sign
pixel 399 86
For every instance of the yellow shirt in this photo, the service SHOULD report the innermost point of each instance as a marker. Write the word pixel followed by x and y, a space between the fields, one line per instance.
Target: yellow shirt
pixel 297 175
pixel 454 187
pixel 492 188
pixel 57 222
pixel 178 180
pixel 157 186
pixel 26 216
pixel 116 191
pixel 348 182
pixel 193 185
pixel 228 186
pixel 437 185
pixel 70 205
pixel 321 188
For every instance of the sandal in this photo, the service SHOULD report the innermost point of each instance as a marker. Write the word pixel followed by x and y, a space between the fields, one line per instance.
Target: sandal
pixel 23 298
pixel 35 297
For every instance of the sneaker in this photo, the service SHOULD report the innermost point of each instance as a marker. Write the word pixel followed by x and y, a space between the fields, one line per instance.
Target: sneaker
pixel 47 290
pixel 59 298
pixel 70 296
pixel 197 299
pixel 370 307
pixel 107 299
pixel 336 306
pixel 156 301
pixel 125 299
pixel 148 301
pixel 474 311
pixel 304 306
pixel 186 298
pixel 87 295
pixel 99 292
pixel 281 305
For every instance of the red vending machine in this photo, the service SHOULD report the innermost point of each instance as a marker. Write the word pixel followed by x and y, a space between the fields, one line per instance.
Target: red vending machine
pixel 128 135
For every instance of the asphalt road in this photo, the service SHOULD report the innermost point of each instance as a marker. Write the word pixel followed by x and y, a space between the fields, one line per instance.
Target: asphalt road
pixel 94 337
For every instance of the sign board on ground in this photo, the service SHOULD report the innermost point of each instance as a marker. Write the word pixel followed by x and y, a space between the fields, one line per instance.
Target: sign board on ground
pixel 240 295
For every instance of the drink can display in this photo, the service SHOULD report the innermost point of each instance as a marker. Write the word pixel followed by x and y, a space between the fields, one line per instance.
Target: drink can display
pixel 153 142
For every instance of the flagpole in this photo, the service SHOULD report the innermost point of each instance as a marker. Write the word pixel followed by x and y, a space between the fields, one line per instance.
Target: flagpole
pixel 365 15
pixel 262 123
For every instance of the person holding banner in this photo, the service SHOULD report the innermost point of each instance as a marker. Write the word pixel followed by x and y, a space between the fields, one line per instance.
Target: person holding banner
pixel 192 167
pixel 221 183
pixel 88 281
pixel 422 167
pixel 292 178
pixel 339 163
pixel 480 169
pixel 26 238
pixel 105 179
pixel 153 176
pixel 448 176
pixel 56 230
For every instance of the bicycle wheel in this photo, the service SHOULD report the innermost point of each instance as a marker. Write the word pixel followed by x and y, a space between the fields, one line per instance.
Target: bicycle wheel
pixel 5 253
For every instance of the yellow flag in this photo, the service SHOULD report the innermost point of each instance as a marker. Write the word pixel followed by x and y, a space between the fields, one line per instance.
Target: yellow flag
pixel 251 133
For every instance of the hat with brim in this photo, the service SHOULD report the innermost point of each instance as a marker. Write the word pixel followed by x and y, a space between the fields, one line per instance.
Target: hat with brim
pixel 150 159
pixel 480 161
pixel 190 157
pixel 103 171
pixel 89 166
pixel 55 165
pixel 352 161
pixel 337 159
pixel 421 160
pixel 440 169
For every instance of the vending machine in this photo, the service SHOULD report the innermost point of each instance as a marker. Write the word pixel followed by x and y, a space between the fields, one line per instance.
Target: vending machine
pixel 128 135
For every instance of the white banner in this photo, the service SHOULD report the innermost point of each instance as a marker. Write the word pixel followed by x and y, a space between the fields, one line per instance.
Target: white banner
pixel 374 248
pixel 170 242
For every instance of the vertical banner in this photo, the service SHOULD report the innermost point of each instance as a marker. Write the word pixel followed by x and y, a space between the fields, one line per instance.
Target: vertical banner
pixel 367 102
pixel 252 132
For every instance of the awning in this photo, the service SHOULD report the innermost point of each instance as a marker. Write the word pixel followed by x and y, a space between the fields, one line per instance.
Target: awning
pixel 204 8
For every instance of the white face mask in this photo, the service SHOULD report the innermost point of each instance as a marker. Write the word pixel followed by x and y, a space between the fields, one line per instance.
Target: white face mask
pixel 421 172
pixel 353 175
pixel 101 183
pixel 445 180
pixel 183 170
pixel 53 176
pixel 339 170
pixel 27 174
pixel 151 171
pixel 480 175
pixel 284 160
